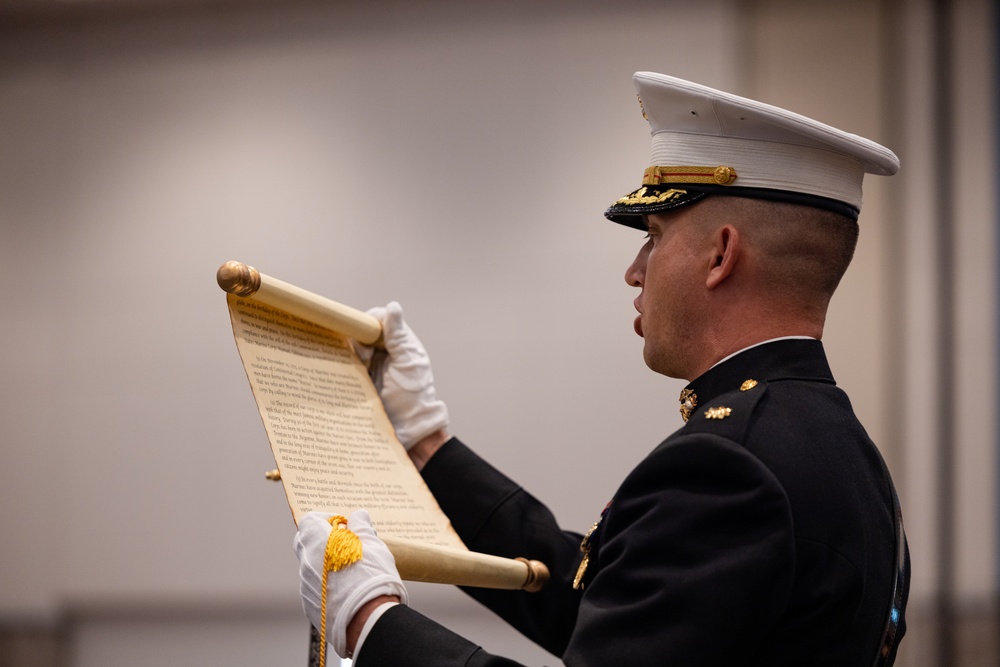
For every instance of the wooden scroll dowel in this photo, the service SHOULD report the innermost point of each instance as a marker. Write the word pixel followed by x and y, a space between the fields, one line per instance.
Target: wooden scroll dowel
pixel 245 281
pixel 443 565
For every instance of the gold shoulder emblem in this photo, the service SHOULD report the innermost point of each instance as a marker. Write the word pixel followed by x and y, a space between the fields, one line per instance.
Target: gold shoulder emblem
pixel 718 413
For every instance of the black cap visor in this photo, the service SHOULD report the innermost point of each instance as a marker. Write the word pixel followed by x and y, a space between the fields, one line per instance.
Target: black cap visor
pixel 630 209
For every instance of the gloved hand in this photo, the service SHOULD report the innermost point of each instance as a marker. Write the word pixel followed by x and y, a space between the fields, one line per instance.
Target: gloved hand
pixel 403 378
pixel 352 586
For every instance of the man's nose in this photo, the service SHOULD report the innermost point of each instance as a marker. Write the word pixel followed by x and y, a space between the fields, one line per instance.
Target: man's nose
pixel 635 274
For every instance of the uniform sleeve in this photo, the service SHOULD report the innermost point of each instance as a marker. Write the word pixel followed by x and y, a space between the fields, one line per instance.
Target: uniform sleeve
pixel 493 515
pixel 696 561
pixel 406 638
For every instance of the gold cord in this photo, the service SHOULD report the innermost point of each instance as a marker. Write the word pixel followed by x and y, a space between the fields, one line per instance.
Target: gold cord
pixel 343 548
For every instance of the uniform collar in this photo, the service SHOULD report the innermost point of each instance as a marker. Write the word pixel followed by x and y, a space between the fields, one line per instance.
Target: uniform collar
pixel 783 359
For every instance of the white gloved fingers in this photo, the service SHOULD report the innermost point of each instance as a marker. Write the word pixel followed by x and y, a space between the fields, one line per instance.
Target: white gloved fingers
pixel 310 541
pixel 410 369
pixel 378 560
pixel 349 588
pixel 366 352
pixel 310 549
pixel 378 312
pixel 404 380
pixel 394 329
pixel 360 523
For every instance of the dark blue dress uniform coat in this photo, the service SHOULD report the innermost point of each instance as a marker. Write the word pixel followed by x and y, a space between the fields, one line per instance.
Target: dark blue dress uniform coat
pixel 760 533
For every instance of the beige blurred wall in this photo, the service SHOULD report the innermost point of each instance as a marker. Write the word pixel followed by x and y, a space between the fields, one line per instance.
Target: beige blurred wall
pixel 458 159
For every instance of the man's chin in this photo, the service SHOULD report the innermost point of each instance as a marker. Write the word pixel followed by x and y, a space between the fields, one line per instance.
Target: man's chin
pixel 649 357
pixel 660 363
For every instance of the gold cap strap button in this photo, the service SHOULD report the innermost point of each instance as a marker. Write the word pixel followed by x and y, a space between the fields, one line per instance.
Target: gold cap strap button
pixel 724 175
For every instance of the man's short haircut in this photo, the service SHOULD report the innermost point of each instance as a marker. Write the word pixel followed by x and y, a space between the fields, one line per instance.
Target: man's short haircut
pixel 807 249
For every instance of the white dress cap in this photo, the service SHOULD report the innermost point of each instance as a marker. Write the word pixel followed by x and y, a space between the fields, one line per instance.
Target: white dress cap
pixel 706 141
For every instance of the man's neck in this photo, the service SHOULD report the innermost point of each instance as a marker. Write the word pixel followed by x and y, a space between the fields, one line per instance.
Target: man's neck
pixel 731 343
pixel 763 342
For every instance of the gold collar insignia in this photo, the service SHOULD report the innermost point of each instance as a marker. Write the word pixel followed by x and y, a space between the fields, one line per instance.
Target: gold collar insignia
pixel 689 401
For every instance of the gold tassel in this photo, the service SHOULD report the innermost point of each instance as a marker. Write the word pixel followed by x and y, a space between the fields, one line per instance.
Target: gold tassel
pixel 343 548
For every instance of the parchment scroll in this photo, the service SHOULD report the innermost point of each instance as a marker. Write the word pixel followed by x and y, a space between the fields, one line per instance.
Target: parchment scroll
pixel 331 438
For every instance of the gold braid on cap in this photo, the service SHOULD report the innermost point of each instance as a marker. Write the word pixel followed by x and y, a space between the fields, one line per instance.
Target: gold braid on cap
pixel 721 175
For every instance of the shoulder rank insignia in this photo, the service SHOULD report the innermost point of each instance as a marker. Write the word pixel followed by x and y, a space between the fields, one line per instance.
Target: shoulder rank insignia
pixel 718 413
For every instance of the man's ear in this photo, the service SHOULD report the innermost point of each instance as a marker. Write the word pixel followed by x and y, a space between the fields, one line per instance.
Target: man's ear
pixel 725 253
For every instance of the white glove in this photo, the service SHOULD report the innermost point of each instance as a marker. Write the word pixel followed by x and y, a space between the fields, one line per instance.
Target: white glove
pixel 403 377
pixel 350 588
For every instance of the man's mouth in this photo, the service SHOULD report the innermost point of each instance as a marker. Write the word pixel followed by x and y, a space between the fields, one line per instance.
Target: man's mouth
pixel 637 325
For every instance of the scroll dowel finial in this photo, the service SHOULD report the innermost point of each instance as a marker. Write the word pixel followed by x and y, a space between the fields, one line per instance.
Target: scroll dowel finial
pixel 238 278
pixel 242 280
pixel 538 575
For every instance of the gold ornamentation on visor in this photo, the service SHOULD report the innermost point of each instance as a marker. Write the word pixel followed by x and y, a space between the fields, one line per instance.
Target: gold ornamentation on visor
pixel 640 196
pixel 721 175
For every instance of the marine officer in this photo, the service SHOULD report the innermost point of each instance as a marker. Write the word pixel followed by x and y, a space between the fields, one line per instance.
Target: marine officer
pixel 766 530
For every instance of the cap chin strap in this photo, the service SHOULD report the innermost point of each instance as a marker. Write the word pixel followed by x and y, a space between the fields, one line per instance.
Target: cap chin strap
pixel 786 196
